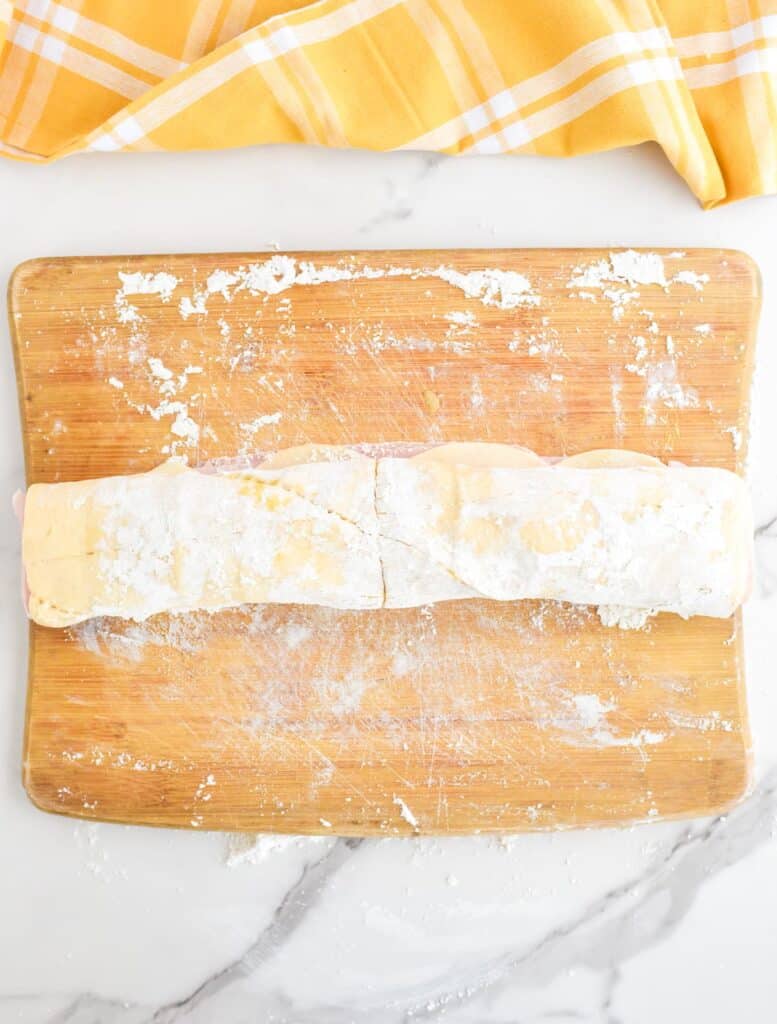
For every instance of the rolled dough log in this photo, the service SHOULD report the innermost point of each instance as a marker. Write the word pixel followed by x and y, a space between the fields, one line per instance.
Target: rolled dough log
pixel 334 526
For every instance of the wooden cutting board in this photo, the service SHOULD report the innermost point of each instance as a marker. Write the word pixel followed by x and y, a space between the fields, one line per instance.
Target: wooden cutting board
pixel 463 717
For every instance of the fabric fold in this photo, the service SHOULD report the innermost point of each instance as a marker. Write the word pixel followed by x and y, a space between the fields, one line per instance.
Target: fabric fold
pixel 458 76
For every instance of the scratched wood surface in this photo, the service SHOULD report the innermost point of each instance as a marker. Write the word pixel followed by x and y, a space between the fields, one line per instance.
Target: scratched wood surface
pixel 450 719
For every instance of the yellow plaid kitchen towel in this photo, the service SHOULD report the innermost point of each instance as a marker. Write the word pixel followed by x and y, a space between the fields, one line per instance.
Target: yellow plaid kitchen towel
pixel 553 77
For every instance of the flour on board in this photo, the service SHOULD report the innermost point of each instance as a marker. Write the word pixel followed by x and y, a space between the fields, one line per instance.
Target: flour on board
pixel 736 437
pixel 616 387
pixel 696 281
pixel 307 698
pixel 158 369
pixel 251 429
pixel 713 722
pixel 461 319
pixel 585 722
pixel 192 306
pixel 477 399
pixel 130 642
pixel 138 283
pixel 505 289
pixel 620 277
pixel 663 385
pixel 660 373
pixel 405 813
pixel 185 430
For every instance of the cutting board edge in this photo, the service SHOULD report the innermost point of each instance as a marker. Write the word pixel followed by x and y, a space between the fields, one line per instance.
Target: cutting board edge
pixel 260 826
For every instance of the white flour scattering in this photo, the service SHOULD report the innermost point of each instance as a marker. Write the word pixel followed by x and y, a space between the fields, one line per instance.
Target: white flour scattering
pixel 97 860
pixel 138 283
pixel 161 284
pixel 736 437
pixel 620 277
pixel 662 385
pixel 505 289
pixel 696 281
pixel 184 429
pixel 477 399
pixel 617 278
pixel 419 654
pixel 203 792
pixel 251 429
pixel 192 306
pixel 243 848
pixel 465 321
pixel 638 267
pixel 159 370
pixel 182 426
pixel 616 388
pixel 713 722
pixel 660 373
pixel 405 813
pixel 585 721
pixel 121 641
pixel 167 382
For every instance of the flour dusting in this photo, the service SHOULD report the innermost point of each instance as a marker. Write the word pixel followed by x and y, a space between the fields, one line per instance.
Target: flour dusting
pixel 405 813
pixel 696 281
pixel 183 426
pixel 130 642
pixel 713 722
pixel 584 720
pixel 736 437
pixel 660 373
pixel 663 385
pixel 138 283
pixel 620 278
pixel 245 848
pixel 505 289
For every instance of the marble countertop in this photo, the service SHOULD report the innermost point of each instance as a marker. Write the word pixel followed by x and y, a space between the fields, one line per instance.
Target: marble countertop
pixel 670 922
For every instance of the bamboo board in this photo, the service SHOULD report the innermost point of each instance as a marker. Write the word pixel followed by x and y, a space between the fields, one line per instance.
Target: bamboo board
pixel 457 718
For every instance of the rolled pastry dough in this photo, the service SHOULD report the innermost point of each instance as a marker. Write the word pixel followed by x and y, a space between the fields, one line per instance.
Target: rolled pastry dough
pixel 333 526
pixel 177 539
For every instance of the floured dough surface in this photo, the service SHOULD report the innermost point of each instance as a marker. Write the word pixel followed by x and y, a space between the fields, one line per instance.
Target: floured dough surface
pixel 334 526
pixel 671 538
pixel 177 539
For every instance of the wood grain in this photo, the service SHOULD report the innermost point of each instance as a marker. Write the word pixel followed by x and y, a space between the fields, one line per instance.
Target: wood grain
pixel 462 717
